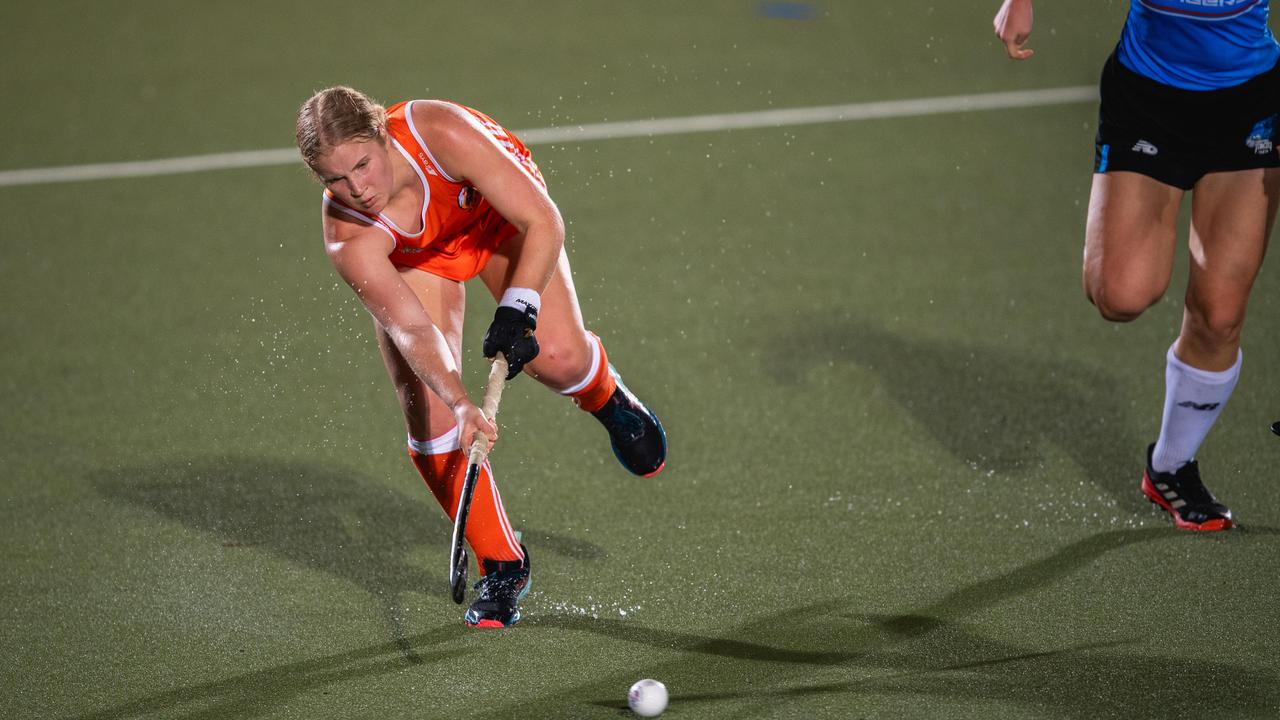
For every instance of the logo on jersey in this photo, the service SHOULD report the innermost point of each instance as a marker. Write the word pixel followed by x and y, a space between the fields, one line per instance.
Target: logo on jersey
pixel 1262 136
pixel 426 164
pixel 468 198
pixel 1145 148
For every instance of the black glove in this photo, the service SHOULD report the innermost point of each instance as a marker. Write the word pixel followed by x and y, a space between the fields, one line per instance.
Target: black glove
pixel 511 333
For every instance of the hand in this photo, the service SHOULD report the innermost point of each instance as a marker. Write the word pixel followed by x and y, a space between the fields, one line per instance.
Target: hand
pixel 511 333
pixel 472 422
pixel 1013 27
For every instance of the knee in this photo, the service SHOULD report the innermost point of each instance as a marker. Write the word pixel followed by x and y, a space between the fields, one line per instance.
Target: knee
pixel 1214 327
pixel 1121 285
pixel 560 360
pixel 1118 304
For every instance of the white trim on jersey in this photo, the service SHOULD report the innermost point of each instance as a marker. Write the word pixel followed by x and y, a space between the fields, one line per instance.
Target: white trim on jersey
pixel 595 367
pixel 408 118
pixel 491 129
pixel 331 203
pixel 426 194
pixel 446 443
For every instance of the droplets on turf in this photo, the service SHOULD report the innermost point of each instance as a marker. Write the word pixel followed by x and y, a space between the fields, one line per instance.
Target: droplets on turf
pixel 1022 505
pixel 589 606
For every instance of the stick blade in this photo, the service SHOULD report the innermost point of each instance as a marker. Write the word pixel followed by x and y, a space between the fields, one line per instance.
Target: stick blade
pixel 458 579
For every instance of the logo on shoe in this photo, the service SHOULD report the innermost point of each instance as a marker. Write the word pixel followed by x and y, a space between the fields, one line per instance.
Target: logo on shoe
pixel 1198 406
pixel 1145 148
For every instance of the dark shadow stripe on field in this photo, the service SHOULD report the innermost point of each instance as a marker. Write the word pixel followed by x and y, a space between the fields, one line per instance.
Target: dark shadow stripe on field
pixel 1076 682
pixel 929 651
pixel 691 643
pixel 882 629
pixel 1028 578
pixel 989 407
pixel 331 519
pixel 842 687
pixel 257 693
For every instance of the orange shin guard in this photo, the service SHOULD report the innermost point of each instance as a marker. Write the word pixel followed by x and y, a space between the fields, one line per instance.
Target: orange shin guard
pixel 598 387
pixel 488 530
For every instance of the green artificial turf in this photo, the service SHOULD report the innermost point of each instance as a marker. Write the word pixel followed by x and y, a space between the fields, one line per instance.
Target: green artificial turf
pixel 905 451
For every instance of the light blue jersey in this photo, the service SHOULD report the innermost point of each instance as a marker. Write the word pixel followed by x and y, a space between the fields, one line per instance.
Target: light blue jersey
pixel 1198 44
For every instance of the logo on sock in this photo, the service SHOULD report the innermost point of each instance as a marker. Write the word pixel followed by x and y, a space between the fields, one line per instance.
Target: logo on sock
pixel 1198 406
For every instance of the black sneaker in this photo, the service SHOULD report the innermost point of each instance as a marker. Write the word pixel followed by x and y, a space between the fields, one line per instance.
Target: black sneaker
pixel 638 440
pixel 502 588
pixel 1185 498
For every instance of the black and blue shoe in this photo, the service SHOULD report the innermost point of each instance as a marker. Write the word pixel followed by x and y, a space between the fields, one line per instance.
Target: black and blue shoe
pixel 638 440
pixel 502 588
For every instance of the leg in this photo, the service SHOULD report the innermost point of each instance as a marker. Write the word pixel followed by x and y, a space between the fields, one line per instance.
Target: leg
pixel 1231 218
pixel 565 346
pixel 434 445
pixel 572 361
pixel 1129 243
pixel 444 300
pixel 1232 214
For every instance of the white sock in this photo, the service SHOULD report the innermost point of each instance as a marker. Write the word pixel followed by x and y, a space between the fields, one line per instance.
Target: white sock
pixel 1193 399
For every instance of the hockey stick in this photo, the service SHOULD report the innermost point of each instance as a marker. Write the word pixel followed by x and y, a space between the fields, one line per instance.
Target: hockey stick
pixel 475 459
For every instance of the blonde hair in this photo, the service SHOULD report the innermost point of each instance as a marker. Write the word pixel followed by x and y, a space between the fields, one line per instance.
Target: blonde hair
pixel 334 116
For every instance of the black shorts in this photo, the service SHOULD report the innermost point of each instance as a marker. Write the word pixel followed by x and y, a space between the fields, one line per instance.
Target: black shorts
pixel 1178 136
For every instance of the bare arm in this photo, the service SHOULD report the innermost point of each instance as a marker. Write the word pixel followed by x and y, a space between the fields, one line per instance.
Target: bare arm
pixel 1013 27
pixel 360 256
pixel 467 152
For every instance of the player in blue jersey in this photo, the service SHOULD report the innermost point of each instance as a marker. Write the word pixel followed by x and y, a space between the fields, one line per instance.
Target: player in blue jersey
pixel 1190 99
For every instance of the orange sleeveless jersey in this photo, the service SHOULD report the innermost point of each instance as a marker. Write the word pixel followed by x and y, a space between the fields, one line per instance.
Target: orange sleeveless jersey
pixel 460 229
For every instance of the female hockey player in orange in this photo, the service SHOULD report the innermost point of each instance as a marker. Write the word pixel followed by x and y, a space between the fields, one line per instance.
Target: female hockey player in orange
pixel 419 198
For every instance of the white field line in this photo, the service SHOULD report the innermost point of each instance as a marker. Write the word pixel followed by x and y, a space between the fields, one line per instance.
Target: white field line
pixel 597 131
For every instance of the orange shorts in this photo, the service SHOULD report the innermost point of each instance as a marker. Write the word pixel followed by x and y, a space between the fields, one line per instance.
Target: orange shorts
pixel 462 256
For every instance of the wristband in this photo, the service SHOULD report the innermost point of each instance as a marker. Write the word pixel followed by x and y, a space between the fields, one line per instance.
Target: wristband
pixel 523 299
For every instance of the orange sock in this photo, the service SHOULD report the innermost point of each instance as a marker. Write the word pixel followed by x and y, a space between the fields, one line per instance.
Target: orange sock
pixel 443 465
pixel 597 387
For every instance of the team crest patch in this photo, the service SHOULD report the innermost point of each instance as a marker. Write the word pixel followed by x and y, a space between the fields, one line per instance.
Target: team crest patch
pixel 468 198
pixel 1263 135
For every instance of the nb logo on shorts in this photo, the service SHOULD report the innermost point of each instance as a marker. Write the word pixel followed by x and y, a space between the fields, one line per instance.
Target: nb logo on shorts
pixel 1145 148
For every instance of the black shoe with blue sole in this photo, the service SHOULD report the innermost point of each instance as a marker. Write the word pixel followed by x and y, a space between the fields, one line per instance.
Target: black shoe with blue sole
pixel 638 440
pixel 502 588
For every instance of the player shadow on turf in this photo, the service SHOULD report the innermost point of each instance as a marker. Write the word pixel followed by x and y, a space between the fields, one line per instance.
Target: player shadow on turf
pixel 330 519
pixel 881 629
pixel 1081 682
pixel 261 692
pixel 992 408
pixel 933 651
